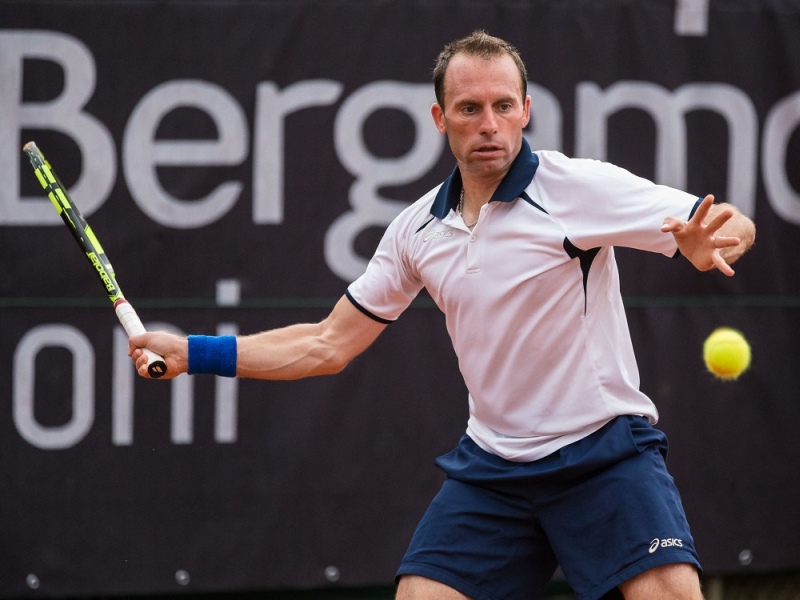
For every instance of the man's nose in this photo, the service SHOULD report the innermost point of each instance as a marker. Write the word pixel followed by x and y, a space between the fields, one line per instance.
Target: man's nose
pixel 488 124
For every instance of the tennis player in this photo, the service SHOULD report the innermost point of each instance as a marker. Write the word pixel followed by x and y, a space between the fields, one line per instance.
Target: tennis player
pixel 560 464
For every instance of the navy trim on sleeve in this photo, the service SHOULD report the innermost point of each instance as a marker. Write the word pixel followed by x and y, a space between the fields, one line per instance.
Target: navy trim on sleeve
pixel 365 311
pixel 691 214
pixel 694 208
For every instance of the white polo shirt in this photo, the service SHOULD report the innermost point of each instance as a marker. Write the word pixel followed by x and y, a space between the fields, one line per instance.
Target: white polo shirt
pixel 531 295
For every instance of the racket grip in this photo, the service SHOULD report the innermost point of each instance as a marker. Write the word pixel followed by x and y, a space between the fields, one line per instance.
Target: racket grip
pixel 156 365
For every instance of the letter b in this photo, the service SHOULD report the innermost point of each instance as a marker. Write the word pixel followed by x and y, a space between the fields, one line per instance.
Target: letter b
pixel 63 114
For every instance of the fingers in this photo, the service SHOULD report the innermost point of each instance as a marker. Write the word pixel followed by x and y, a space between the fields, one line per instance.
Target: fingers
pixel 722 266
pixel 173 348
pixel 725 241
pixel 702 209
pixel 139 360
pixel 141 365
pixel 138 341
pixel 719 219
pixel 697 223
pixel 716 256
pixel 136 345
pixel 698 240
pixel 672 225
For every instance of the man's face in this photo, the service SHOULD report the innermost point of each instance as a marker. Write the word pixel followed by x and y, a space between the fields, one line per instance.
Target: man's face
pixel 484 113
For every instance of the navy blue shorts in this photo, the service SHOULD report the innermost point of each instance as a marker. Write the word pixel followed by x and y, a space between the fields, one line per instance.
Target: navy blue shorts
pixel 604 509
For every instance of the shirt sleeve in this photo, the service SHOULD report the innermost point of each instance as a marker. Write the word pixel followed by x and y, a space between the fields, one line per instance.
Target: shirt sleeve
pixel 388 285
pixel 599 204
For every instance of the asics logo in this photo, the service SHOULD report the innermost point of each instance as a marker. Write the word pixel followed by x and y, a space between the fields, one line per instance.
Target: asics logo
pixel 665 543
pixel 435 235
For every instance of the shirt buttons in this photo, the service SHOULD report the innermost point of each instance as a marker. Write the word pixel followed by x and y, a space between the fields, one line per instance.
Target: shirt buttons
pixel 472 238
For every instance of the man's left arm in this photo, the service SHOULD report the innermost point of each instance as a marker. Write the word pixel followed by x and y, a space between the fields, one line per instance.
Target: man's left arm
pixel 716 236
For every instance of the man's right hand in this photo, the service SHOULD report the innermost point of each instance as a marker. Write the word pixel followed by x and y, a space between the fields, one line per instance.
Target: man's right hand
pixel 174 348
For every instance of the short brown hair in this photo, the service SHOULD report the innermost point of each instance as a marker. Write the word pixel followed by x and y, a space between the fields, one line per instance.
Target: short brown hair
pixel 481 44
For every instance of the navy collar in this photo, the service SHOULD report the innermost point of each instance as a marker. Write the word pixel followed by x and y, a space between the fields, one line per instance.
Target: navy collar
pixel 518 178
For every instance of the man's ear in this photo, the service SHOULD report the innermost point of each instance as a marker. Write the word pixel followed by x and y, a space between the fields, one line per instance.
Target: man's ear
pixel 527 109
pixel 438 117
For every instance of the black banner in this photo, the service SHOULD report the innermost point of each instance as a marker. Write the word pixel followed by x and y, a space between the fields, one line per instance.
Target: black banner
pixel 239 162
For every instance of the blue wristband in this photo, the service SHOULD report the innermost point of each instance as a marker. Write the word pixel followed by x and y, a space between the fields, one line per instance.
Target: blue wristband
pixel 212 355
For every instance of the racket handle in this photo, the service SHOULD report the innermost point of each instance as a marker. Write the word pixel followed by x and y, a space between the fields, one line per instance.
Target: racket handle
pixel 156 365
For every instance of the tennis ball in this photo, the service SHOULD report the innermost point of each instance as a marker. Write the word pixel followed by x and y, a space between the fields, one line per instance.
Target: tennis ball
pixel 726 353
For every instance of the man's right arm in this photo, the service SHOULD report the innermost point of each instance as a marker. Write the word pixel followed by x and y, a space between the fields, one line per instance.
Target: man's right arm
pixel 293 352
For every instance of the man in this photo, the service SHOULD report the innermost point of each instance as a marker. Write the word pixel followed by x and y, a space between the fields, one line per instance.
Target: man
pixel 560 464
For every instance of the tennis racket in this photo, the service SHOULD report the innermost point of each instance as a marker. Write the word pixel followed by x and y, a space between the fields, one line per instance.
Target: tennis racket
pixel 83 234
